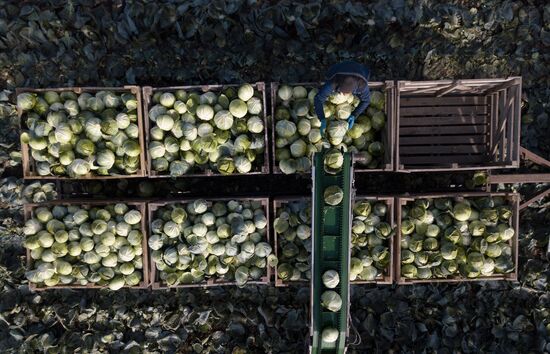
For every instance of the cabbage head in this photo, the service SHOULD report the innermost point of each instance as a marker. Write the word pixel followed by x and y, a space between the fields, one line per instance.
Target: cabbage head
pixel 334 160
pixel 285 128
pixel 329 335
pixel 331 301
pixel 238 108
pixel 333 195
pixel 284 92
pixel 331 279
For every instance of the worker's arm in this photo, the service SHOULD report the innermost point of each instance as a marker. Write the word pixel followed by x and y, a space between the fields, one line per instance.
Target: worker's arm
pixel 365 101
pixel 321 98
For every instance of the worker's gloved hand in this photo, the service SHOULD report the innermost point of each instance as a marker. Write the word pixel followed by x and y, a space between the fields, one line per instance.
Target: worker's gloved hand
pixel 351 121
pixel 323 126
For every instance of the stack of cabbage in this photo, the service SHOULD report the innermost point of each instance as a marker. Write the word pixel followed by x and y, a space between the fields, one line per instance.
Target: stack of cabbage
pixel 226 241
pixel 292 225
pixel 81 245
pixel 194 132
pixel 75 135
pixel 37 192
pixel 298 135
pixel 370 240
pixel 446 238
pixel 371 236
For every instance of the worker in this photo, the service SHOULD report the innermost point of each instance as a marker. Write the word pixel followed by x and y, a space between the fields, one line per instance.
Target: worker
pixel 345 77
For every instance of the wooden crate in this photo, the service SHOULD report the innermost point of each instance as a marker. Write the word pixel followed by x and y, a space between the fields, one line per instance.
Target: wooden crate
pixel 390 218
pixel 148 93
pixel 387 137
pixel 458 125
pixel 278 203
pixel 29 170
pixel 384 279
pixel 156 282
pixel 144 284
pixel 513 198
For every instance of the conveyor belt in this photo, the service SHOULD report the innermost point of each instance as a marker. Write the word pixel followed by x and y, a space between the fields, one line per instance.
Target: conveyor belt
pixel 331 250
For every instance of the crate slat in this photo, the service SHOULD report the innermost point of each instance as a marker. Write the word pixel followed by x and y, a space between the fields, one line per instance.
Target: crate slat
pixel 442 159
pixel 444 120
pixel 443 101
pixel 442 140
pixel 444 130
pixel 439 110
pixel 444 149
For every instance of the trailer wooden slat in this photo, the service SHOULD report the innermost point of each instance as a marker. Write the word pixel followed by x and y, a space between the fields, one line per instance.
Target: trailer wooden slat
pixel 442 159
pixel 441 140
pixel 453 120
pixel 438 110
pixel 510 124
pixel 443 101
pixel 502 117
pixel 444 130
pixel 444 149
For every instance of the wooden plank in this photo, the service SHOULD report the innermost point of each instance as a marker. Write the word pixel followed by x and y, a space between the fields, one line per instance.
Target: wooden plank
pixel 534 199
pixel 442 92
pixel 442 159
pixel 444 130
pixel 520 178
pixel 452 120
pixel 517 121
pixel 502 117
pixel 529 155
pixel 509 123
pixel 505 85
pixel 492 141
pixel 478 82
pixel 443 101
pixel 448 110
pixel 459 139
pixel 444 149
pixel 496 140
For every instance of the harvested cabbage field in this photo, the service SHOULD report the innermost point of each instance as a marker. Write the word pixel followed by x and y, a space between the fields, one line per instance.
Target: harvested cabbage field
pixel 156 177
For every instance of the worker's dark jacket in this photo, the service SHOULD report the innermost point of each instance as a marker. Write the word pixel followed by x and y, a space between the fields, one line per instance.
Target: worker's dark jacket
pixel 351 68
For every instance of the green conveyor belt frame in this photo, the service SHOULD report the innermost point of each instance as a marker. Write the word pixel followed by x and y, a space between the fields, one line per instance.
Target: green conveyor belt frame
pixel 331 227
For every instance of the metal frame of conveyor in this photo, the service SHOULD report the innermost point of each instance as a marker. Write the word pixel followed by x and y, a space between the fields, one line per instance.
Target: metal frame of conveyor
pixel 331 227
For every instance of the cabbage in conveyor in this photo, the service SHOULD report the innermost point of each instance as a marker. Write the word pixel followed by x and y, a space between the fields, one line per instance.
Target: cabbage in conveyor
pixel 330 251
